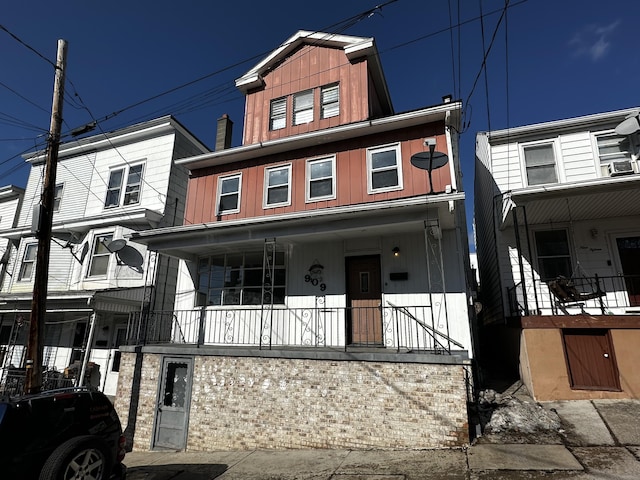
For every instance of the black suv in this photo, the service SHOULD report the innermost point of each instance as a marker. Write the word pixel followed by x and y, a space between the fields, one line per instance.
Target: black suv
pixel 63 434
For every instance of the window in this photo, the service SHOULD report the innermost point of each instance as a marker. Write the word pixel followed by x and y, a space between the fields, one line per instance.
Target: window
pixel 383 165
pixel 57 197
pixel 229 194
pixel 330 101
pixel 100 255
pixel 237 279
pixel 540 164
pixel 321 175
pixel 303 107
pixel 132 188
pixel 278 114
pixel 28 262
pixel 612 148
pixel 277 190
pixel 553 254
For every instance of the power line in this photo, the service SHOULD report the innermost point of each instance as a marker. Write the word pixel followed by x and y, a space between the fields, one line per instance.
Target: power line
pixel 15 37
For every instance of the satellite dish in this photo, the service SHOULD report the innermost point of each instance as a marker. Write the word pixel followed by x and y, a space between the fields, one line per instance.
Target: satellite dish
pixel 116 245
pixel 131 257
pixel 429 161
pixel 628 126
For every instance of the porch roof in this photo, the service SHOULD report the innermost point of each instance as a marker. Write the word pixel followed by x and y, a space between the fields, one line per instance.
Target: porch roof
pixel 402 215
pixel 586 200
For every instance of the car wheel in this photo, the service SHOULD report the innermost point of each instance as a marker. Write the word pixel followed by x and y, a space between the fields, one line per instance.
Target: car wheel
pixel 81 458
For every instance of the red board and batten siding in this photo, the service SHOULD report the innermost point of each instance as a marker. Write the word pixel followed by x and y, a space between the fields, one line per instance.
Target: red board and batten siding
pixel 309 67
pixel 351 176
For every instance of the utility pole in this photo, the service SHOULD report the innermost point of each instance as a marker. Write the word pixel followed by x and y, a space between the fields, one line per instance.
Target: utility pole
pixel 35 345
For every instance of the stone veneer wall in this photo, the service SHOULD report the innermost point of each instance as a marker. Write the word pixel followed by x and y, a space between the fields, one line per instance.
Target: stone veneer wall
pixel 277 403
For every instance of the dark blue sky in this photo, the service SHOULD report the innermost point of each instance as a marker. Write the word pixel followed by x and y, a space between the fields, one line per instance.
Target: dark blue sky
pixel 549 60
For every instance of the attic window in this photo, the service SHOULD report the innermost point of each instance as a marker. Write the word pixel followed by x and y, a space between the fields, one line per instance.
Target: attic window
pixel 303 107
pixel 330 99
pixel 278 114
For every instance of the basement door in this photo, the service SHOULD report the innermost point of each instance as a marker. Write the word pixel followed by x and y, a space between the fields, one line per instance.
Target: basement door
pixel 364 297
pixel 174 397
pixel 629 251
pixel 590 359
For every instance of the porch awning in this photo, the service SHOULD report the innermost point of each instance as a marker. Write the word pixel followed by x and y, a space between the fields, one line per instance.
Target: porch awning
pixel 590 199
pixel 403 215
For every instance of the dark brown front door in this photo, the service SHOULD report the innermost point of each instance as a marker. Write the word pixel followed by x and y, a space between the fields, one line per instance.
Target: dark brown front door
pixel 590 359
pixel 629 250
pixel 364 295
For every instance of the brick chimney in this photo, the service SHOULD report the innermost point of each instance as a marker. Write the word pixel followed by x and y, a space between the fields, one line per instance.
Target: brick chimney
pixel 223 133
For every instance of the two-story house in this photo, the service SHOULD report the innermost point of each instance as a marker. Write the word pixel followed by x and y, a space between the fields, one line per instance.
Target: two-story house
pixel 323 295
pixel 107 186
pixel 557 213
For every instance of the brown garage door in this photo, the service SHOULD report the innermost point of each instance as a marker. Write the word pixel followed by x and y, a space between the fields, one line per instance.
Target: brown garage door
pixel 590 359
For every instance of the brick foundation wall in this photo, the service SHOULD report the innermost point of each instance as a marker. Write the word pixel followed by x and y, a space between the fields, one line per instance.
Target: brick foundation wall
pixel 244 403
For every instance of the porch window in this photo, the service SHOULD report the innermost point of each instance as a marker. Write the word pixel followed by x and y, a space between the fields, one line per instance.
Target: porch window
pixel 321 179
pixel 100 255
pixel 229 194
pixel 540 164
pixel 330 101
pixel 241 279
pixel 28 262
pixel 278 114
pixel 303 107
pixel 131 194
pixel 554 258
pixel 277 191
pixel 384 168
pixel 613 148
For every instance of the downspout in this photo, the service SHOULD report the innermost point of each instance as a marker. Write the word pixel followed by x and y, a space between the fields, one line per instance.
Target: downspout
pixel 87 350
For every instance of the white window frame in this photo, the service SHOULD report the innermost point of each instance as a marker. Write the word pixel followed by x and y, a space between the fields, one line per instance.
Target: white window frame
pixel 28 262
pixel 57 196
pixel 220 194
pixel 556 161
pixel 310 162
pixel 605 159
pixel 278 119
pixel 125 186
pixel 303 114
pixel 268 187
pixel 331 108
pixel 540 257
pixel 99 240
pixel 371 171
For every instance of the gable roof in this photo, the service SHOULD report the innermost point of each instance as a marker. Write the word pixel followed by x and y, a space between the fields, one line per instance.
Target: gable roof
pixel 354 48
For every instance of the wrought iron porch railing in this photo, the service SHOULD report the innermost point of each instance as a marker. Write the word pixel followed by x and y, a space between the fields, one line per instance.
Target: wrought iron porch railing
pixel 405 328
pixel 595 295
pixel 13 381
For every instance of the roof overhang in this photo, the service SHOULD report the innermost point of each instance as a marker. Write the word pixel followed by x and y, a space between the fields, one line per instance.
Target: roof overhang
pixel 589 199
pixel 335 134
pixel 190 241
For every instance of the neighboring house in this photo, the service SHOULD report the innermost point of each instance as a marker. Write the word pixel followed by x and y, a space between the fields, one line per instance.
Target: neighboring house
pixel 107 186
pixel 557 214
pixel 323 298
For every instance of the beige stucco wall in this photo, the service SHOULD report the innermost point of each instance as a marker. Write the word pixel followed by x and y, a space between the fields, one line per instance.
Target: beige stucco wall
pixel 243 403
pixel 543 367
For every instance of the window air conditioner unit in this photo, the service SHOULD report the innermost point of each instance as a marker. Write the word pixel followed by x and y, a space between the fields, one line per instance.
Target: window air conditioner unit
pixel 620 168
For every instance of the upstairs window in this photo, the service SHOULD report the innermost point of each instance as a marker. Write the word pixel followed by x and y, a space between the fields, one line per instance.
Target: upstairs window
pixel 540 164
pixel 28 262
pixel 131 194
pixel 554 258
pixel 330 101
pixel 229 194
pixel 278 114
pixel 303 107
pixel 614 152
pixel 242 279
pixel 57 197
pixel 384 168
pixel 100 255
pixel 321 179
pixel 277 191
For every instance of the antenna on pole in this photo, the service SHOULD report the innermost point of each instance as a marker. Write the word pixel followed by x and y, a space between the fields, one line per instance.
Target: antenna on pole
pixel 35 344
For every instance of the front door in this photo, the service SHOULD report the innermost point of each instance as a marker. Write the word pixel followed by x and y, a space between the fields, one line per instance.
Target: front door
pixel 364 296
pixel 174 397
pixel 590 359
pixel 629 250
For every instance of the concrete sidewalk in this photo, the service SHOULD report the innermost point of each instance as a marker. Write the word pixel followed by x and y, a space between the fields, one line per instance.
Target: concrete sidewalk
pixel 600 439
